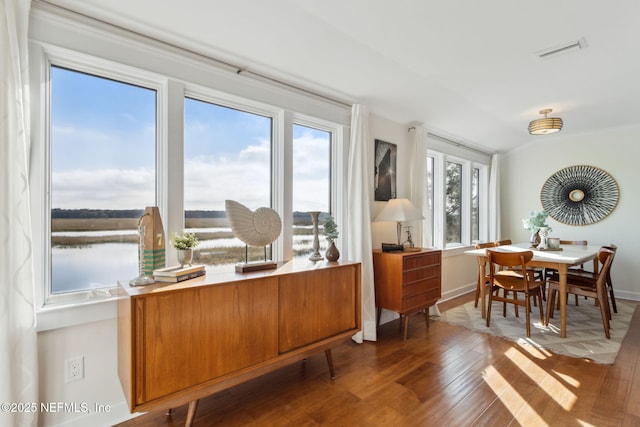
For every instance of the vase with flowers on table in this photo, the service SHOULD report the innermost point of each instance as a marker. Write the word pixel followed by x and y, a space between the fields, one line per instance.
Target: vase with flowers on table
pixel 536 223
pixel 184 243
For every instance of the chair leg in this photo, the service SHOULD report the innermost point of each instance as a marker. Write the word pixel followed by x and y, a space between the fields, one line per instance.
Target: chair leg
pixel 540 299
pixel 477 294
pixel 504 304
pixel 527 309
pixel 551 303
pixel 490 304
pixel 604 306
pixel 613 298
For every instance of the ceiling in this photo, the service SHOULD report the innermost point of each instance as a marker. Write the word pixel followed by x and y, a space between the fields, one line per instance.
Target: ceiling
pixel 465 70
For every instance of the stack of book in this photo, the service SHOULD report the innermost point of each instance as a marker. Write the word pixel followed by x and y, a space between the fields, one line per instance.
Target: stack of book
pixel 177 273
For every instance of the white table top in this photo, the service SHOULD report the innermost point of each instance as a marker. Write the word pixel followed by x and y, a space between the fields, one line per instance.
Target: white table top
pixel 570 254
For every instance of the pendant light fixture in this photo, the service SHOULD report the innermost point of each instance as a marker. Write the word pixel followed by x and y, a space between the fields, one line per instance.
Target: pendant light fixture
pixel 546 125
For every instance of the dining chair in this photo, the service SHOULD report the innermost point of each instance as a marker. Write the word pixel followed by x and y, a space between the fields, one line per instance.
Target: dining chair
pixel 481 260
pixel 591 276
pixel 550 271
pixel 539 272
pixel 613 248
pixel 575 243
pixel 508 271
pixel 579 286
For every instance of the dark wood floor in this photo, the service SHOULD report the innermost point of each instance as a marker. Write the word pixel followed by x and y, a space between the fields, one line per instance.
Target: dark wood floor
pixel 441 376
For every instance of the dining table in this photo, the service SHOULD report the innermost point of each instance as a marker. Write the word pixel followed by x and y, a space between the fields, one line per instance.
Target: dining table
pixel 560 259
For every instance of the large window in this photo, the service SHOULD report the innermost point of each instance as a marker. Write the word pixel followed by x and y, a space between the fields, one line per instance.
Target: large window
pixel 458 199
pixel 227 156
pixel 311 185
pixel 102 163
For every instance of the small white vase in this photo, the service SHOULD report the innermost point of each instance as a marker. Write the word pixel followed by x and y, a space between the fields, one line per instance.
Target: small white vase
pixel 544 233
pixel 185 256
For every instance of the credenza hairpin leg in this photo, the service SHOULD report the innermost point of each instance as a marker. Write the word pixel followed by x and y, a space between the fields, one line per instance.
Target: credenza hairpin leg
pixel 332 372
pixel 191 413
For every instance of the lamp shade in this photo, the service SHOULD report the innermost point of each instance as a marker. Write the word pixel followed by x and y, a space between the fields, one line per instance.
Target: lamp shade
pixel 546 125
pixel 399 210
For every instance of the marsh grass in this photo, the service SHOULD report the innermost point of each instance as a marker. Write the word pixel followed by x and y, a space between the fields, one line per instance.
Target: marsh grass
pixel 201 256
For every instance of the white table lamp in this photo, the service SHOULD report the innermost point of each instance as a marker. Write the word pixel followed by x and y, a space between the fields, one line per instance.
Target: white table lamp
pixel 399 210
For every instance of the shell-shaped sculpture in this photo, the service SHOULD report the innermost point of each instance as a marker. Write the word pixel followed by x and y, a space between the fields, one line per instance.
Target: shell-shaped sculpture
pixel 259 228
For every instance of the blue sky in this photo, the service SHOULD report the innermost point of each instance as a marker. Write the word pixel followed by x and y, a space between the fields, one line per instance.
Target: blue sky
pixel 103 150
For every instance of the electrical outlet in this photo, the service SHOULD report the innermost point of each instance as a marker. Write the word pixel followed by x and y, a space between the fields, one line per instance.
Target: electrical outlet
pixel 74 369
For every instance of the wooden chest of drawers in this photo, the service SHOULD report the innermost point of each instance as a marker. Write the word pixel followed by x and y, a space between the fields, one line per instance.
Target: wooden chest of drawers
pixel 407 282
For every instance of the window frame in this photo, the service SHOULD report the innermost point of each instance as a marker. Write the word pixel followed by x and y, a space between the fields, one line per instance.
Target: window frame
pixel 41 210
pixel 469 162
pixel 335 181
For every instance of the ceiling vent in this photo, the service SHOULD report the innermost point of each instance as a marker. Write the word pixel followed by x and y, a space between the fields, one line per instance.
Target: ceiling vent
pixel 561 49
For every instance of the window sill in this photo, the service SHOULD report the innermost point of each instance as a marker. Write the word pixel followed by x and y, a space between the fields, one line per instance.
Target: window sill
pixel 65 315
pixel 456 251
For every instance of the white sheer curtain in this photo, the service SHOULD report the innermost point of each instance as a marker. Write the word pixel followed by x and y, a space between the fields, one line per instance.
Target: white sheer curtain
pixel 418 185
pixel 359 188
pixel 18 337
pixel 494 199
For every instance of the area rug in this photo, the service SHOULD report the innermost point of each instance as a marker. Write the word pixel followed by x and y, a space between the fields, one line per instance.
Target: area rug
pixel 585 333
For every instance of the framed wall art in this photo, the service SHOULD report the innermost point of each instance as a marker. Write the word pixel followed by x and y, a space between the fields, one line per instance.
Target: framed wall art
pixel 385 170
pixel 579 195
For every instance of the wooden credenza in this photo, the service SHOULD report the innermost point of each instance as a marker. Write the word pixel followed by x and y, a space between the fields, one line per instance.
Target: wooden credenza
pixel 407 282
pixel 180 342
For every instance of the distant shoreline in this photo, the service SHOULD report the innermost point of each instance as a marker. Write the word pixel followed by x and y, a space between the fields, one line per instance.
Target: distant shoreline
pixel 106 224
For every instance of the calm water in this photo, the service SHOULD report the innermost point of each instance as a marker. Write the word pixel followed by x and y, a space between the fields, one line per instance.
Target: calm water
pixel 102 265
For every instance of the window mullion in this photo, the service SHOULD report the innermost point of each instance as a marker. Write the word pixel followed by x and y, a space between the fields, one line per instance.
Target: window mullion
pixel 282 165
pixel 170 191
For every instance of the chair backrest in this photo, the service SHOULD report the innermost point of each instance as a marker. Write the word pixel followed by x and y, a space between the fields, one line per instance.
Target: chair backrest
pixel 503 242
pixel 514 261
pixel 574 242
pixel 485 245
pixel 510 259
pixel 605 256
pixel 613 248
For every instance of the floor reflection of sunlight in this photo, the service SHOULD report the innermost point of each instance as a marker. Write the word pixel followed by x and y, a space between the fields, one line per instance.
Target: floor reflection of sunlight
pixel 511 399
pixel 567 379
pixel 537 352
pixel 556 389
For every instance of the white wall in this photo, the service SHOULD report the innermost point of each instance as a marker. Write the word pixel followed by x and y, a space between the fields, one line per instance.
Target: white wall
pixel 525 170
pixel 395 133
pixel 99 392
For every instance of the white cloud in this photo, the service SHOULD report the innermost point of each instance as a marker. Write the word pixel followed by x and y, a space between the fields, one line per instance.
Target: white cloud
pixel 209 180
pixel 103 189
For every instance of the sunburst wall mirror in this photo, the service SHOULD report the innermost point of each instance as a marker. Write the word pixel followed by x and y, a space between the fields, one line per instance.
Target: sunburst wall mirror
pixel 579 195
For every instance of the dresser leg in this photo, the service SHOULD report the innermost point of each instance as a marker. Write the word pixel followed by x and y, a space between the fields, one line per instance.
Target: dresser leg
pixel 191 413
pixel 426 316
pixel 332 372
pixel 406 325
